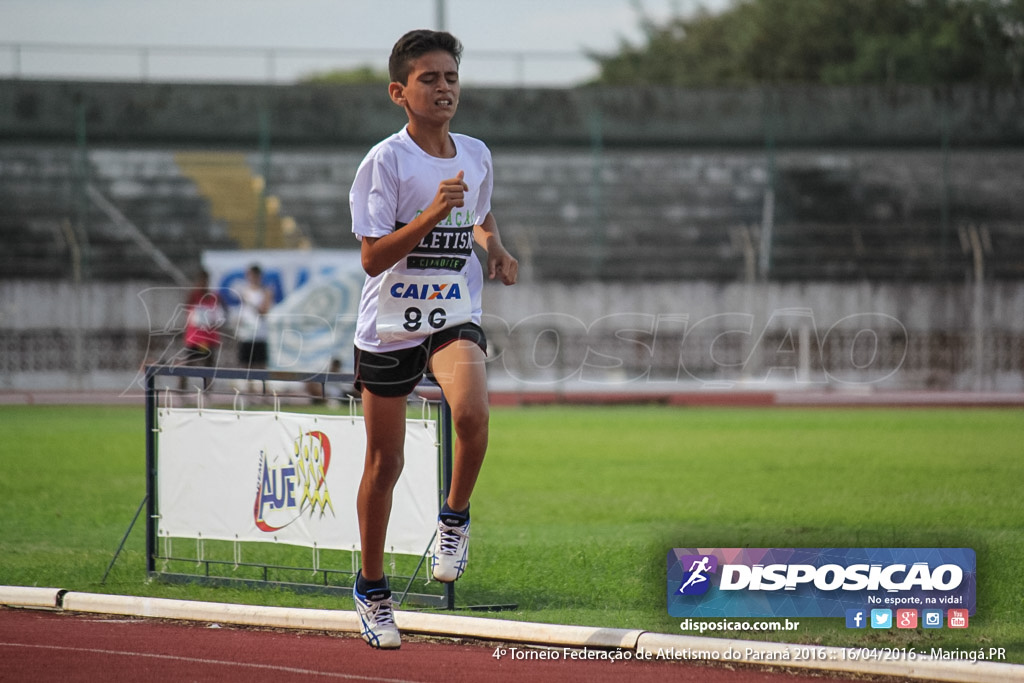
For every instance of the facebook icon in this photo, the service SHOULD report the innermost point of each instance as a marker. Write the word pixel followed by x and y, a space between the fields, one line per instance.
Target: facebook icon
pixel 856 618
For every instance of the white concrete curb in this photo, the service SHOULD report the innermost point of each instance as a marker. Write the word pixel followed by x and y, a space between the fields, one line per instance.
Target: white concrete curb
pixel 246 615
pixel 22 596
pixel 516 631
pixel 643 644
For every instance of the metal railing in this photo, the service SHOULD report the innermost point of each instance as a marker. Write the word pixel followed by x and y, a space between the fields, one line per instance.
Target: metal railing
pixel 274 65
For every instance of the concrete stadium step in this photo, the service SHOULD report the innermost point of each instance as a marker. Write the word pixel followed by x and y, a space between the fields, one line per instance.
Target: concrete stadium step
pixel 235 196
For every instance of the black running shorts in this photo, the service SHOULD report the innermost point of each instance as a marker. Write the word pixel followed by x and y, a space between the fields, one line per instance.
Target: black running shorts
pixel 396 373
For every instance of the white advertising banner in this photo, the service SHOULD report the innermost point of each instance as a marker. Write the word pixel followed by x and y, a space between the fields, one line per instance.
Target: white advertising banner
pixel 285 478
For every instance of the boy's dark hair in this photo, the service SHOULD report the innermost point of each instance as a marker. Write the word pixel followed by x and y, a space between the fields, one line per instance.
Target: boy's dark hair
pixel 414 45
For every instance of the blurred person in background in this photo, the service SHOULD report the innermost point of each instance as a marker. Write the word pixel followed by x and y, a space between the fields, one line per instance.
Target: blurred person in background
pixel 255 300
pixel 204 318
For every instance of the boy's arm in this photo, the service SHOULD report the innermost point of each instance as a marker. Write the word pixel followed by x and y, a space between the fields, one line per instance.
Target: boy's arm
pixel 380 253
pixel 500 263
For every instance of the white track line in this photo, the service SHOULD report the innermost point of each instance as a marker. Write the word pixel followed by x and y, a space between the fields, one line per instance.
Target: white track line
pixel 199 660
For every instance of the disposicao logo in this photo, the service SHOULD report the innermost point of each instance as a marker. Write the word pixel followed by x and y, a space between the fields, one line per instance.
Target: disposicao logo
pixel 287 490
pixel 696 581
pixel 817 582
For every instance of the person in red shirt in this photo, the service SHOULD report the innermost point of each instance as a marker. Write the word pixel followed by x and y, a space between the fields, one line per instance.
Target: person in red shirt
pixel 204 319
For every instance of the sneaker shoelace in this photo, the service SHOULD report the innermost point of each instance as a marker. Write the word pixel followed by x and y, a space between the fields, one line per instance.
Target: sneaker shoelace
pixel 381 612
pixel 450 538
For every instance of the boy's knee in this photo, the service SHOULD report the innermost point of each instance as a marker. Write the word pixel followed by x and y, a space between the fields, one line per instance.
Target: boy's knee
pixel 384 471
pixel 471 420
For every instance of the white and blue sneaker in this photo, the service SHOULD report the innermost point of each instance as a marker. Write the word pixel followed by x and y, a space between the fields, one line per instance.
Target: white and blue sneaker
pixel 377 615
pixel 451 551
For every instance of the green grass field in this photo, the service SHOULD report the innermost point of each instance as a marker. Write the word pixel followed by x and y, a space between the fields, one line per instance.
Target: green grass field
pixel 578 506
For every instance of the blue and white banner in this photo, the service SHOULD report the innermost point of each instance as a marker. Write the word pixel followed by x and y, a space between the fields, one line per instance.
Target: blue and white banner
pixel 817 582
pixel 316 302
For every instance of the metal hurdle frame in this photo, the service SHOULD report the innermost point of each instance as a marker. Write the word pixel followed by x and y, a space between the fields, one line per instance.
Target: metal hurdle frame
pixel 444 601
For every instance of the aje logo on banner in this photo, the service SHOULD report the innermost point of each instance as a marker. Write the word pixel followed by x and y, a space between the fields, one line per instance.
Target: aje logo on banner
pixel 816 582
pixel 278 500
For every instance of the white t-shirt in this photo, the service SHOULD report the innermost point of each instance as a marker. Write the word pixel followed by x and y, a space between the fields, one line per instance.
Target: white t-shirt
pixel 251 324
pixel 395 182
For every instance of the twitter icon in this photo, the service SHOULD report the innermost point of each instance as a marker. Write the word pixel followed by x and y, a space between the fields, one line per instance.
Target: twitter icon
pixel 881 618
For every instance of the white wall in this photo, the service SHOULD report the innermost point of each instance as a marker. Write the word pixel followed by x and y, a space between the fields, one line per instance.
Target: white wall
pixel 946 344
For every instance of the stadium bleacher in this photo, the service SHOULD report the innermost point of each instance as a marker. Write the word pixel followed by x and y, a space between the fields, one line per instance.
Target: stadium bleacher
pixel 50 222
pixel 876 203
pixel 573 214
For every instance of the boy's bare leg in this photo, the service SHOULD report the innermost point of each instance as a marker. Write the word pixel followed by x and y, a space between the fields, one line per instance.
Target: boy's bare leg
pixel 459 369
pixel 385 457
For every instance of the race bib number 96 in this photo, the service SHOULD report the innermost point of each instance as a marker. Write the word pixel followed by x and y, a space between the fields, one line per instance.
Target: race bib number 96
pixel 416 306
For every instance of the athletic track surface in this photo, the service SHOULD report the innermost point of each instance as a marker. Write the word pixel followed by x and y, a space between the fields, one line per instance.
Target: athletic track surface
pixel 38 646
pixel 41 645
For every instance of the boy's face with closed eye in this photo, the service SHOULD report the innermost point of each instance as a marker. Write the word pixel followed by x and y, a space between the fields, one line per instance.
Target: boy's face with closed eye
pixel 431 93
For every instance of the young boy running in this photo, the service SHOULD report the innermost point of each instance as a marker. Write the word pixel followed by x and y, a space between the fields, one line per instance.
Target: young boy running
pixel 420 200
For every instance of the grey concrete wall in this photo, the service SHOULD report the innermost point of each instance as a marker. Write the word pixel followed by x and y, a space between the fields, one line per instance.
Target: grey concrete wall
pixel 669 335
pixel 142 306
pixel 917 306
pixel 359 115
pixel 859 336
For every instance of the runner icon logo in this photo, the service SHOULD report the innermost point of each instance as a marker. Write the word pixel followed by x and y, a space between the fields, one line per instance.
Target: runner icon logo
pixel 695 580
